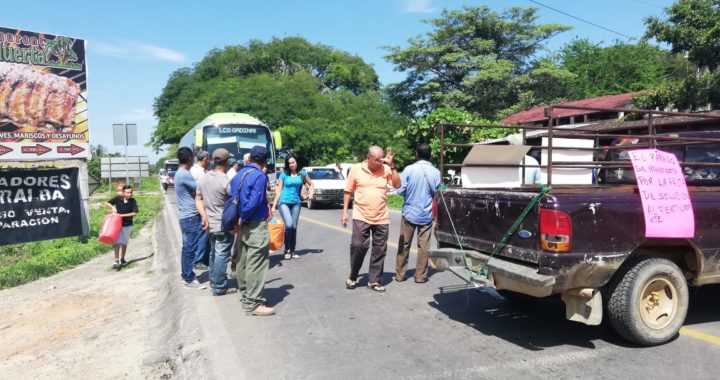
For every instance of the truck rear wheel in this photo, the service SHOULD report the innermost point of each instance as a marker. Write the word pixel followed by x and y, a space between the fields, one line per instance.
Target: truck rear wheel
pixel 648 301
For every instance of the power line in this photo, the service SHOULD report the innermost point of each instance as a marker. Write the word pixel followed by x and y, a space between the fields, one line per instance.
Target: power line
pixel 583 20
pixel 648 3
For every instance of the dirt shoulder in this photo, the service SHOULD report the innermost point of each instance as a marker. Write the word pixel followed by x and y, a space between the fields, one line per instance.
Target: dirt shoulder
pixel 94 322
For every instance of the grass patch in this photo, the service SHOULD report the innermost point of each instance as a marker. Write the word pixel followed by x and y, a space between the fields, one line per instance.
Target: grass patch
pixel 395 202
pixel 22 263
pixel 147 184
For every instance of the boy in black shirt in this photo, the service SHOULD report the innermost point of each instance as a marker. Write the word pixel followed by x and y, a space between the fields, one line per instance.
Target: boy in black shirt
pixel 126 207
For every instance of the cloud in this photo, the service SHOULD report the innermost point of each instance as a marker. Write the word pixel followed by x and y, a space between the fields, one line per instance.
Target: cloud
pixel 135 50
pixel 135 115
pixel 418 6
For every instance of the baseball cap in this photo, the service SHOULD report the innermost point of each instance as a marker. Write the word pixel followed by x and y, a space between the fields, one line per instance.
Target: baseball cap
pixel 221 154
pixel 259 153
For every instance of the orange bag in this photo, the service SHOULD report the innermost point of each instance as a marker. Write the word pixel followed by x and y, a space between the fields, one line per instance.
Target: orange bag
pixel 110 228
pixel 277 233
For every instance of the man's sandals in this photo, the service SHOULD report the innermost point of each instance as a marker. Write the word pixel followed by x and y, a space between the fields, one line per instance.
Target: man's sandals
pixel 376 287
pixel 350 284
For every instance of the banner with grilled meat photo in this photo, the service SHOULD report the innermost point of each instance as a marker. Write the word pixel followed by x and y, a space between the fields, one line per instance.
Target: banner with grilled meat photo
pixel 43 96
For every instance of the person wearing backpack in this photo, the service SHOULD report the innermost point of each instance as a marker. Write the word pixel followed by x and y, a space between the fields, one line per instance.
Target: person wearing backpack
pixel 287 194
pixel 250 188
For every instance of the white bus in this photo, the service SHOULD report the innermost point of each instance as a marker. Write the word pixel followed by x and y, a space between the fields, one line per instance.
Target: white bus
pixel 236 132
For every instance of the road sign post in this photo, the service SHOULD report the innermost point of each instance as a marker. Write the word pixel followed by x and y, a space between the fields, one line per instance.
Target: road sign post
pixel 125 134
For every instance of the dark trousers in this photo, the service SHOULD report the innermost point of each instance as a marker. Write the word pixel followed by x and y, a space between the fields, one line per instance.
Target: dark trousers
pixel 407 230
pixel 359 246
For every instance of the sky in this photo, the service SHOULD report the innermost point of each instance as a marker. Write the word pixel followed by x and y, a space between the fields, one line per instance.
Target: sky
pixel 133 46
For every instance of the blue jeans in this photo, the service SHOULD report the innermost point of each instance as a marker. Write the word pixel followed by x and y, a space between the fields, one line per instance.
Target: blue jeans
pixel 202 253
pixel 221 246
pixel 290 214
pixel 191 230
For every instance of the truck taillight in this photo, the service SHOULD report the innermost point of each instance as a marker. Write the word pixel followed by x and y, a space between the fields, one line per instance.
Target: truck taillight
pixel 555 231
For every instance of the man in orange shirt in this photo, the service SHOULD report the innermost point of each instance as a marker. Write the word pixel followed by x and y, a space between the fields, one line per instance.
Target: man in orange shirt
pixel 368 182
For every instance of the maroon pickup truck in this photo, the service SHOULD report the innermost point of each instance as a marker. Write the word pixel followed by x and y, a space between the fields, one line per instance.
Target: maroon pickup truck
pixel 588 244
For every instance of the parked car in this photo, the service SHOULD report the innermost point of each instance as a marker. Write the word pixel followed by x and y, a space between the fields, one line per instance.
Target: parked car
pixel 329 186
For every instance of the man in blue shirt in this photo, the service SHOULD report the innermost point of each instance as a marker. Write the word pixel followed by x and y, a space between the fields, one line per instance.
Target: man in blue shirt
pixel 420 182
pixel 253 258
pixel 190 221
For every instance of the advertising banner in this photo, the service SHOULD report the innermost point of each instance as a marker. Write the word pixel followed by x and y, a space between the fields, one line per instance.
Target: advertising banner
pixel 43 96
pixel 39 204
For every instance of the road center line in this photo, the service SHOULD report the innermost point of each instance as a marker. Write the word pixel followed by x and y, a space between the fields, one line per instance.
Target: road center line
pixel 700 335
pixel 347 231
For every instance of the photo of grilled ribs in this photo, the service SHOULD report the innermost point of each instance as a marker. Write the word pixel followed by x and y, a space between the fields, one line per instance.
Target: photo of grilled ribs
pixel 33 99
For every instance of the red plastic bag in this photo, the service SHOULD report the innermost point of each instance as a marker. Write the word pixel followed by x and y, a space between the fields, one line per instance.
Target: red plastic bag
pixel 110 228
pixel 277 234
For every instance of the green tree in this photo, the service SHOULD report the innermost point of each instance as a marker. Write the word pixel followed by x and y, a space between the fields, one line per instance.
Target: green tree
pixel 325 102
pixel 469 60
pixel 619 68
pixel 423 130
pixel 692 27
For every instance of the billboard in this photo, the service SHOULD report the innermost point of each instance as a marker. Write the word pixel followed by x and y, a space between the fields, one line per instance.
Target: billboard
pixel 39 204
pixel 43 96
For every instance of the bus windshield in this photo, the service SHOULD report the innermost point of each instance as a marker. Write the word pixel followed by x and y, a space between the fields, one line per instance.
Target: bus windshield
pixel 238 139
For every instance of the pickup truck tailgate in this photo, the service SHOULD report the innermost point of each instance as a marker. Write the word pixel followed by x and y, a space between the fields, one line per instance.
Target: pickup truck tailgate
pixel 480 218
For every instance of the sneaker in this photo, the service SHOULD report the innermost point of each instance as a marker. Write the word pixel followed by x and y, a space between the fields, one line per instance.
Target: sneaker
pixel 261 311
pixel 116 265
pixel 232 275
pixel 201 266
pixel 194 284
pixel 123 262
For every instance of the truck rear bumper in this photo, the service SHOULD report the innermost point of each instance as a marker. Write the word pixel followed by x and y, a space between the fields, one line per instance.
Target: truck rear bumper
pixel 502 274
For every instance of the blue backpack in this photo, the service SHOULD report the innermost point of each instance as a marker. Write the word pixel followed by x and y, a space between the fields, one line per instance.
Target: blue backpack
pixel 231 208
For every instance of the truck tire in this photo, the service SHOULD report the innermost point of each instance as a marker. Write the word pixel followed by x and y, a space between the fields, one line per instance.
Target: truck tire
pixel 648 301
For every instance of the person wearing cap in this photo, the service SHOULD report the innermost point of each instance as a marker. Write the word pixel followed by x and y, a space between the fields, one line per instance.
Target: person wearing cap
pixel 202 255
pixel 253 259
pixel 213 189
pixel 236 246
pixel 368 182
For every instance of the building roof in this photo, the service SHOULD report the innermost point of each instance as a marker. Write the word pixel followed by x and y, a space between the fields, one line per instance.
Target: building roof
pixel 538 113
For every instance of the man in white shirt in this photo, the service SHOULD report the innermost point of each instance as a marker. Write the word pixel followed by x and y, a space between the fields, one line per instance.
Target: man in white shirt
pixel 202 258
pixel 234 167
pixel 201 165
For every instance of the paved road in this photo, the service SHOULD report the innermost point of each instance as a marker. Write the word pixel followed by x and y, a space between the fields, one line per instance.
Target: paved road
pixel 423 331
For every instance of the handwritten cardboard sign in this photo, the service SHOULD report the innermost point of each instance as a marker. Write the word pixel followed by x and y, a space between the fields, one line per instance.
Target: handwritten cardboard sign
pixel 664 194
